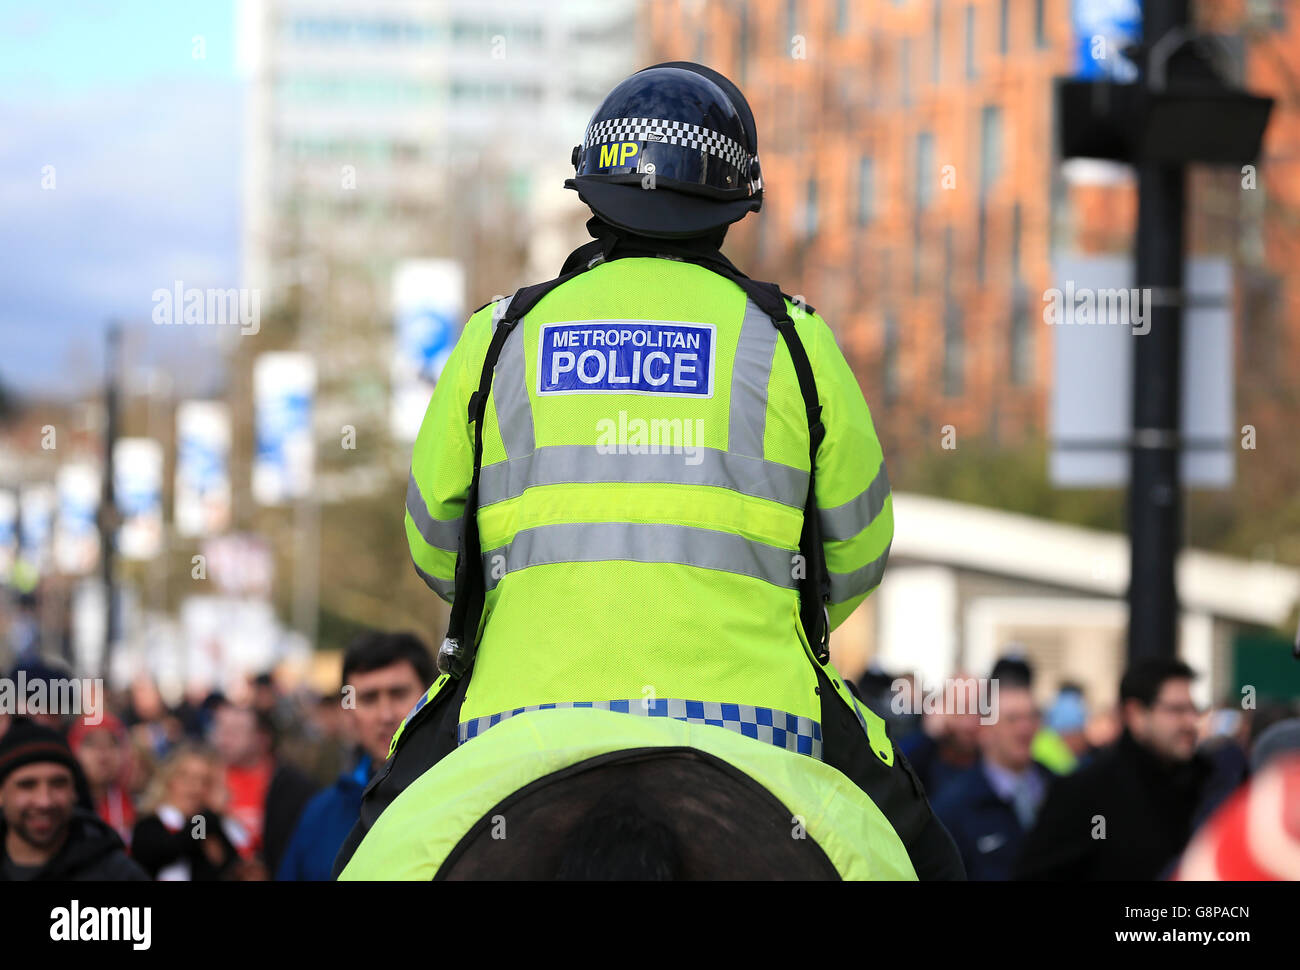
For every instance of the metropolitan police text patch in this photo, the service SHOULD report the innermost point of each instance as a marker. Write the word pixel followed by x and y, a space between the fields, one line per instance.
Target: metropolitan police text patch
pixel 626 357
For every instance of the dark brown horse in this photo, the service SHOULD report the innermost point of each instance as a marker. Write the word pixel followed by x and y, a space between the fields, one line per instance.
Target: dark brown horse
pixel 669 813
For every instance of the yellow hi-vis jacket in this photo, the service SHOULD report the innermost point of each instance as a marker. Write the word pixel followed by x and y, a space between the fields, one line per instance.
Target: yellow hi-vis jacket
pixel 644 473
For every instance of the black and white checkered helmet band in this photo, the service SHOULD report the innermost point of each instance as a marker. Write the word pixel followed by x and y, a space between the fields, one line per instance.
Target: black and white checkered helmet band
pixel 673 133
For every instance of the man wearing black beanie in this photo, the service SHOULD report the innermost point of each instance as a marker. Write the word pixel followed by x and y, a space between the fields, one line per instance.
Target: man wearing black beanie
pixel 43 834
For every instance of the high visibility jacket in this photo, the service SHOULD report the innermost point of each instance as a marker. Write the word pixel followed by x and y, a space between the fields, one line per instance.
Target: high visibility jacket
pixel 644 473
pixel 419 832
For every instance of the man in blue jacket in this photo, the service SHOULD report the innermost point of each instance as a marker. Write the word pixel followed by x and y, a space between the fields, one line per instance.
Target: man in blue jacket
pixel 990 807
pixel 384 674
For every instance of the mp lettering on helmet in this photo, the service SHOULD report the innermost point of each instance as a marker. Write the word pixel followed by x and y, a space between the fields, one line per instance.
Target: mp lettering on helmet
pixel 617 153
pixel 662 358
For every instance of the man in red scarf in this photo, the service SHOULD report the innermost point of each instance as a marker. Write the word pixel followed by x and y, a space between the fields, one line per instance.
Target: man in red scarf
pixel 104 754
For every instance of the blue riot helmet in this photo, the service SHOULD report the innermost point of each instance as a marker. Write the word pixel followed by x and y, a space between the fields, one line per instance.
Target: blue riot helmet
pixel 671 152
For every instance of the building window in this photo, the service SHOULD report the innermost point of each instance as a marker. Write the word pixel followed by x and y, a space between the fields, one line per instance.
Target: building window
pixel 970 41
pixel 810 209
pixel 923 175
pixel 1020 334
pixel 936 41
pixel 990 148
pixel 981 245
pixel 1015 239
pixel 954 351
pixel 905 69
pixel 791 25
pixel 1004 13
pixel 923 179
pixel 889 358
pixel 866 190
pixel 842 16
pixel 1040 24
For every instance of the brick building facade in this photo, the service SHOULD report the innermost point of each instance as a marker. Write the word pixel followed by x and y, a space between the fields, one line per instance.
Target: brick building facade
pixel 914 196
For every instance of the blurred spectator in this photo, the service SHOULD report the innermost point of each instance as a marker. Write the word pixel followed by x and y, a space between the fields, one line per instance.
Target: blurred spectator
pixel 387 673
pixel 1224 745
pixel 319 744
pixel 104 754
pixel 265 697
pixel 1280 739
pixel 25 631
pixel 146 715
pixel 329 745
pixel 268 700
pixel 876 689
pixel 143 764
pixel 1256 834
pixel 1103 729
pixel 990 807
pixel 44 834
pixel 266 797
pixel 1061 742
pixel 946 745
pixel 1128 813
pixel 190 713
pixel 1268 713
pixel 182 837
pixel 1226 721
pixel 34 669
pixel 1013 670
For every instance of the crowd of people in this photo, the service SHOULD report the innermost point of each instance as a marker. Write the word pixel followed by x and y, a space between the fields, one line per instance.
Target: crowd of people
pixel 263 784
pixel 267 784
pixel 1115 792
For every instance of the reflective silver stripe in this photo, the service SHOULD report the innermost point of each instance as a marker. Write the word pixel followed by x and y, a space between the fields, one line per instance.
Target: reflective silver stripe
pixel 750 375
pixel 846 521
pixel 640 542
pixel 446 588
pixel 510 389
pixel 439 533
pixel 845 586
pixel 585 465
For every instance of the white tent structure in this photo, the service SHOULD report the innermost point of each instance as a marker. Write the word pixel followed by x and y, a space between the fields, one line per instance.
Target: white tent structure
pixel 965 583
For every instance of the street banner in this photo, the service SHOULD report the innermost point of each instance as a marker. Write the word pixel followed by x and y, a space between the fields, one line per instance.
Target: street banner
pixel 76 533
pixel 36 521
pixel 1103 28
pixel 137 492
pixel 202 468
pixel 284 385
pixel 8 534
pixel 428 309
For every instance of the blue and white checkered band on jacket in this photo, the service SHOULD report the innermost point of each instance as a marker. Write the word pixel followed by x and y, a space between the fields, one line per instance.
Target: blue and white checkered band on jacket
pixel 672 133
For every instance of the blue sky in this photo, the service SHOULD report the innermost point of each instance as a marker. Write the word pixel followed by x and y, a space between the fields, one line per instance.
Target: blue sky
pixel 144 140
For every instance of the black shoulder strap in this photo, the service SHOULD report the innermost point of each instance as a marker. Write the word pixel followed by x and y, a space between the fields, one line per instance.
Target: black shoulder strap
pixel 457 652
pixel 814 586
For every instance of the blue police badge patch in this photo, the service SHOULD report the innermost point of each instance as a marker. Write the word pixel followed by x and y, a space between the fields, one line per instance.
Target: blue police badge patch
pixel 626 357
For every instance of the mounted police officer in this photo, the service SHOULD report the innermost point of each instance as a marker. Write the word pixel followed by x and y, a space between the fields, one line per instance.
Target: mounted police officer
pixel 650 488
